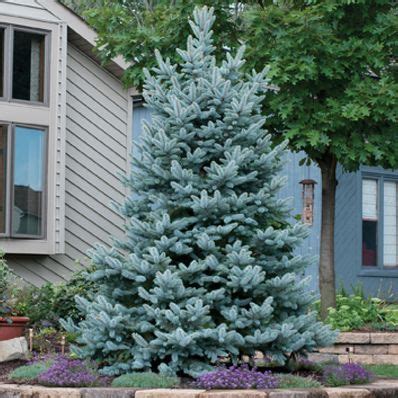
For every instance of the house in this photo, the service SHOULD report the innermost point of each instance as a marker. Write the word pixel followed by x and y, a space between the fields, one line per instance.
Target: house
pixel 366 242
pixel 66 130
pixel 65 124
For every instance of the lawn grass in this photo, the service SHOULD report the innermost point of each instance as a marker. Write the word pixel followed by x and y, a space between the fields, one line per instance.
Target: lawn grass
pixel 383 370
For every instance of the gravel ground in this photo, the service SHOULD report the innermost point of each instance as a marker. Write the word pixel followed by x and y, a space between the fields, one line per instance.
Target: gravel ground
pixel 7 367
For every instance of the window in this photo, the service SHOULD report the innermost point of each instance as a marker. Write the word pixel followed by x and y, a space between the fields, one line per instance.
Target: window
pixel 369 222
pixel 379 222
pixel 23 64
pixel 28 66
pixel 23 185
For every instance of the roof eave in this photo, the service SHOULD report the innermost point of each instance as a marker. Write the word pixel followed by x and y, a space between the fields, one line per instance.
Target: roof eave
pixel 79 27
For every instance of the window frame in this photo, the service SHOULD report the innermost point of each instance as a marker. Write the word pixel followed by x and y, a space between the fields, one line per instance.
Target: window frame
pixel 379 229
pixel 7 220
pixel 379 269
pixel 9 30
pixel 6 45
pixel 8 234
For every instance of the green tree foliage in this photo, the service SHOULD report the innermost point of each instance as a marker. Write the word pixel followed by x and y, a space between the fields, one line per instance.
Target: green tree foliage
pixel 135 28
pixel 333 63
pixel 207 268
pixel 80 7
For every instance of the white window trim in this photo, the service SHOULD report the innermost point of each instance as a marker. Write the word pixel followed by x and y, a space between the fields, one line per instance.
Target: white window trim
pixel 381 180
pixel 52 116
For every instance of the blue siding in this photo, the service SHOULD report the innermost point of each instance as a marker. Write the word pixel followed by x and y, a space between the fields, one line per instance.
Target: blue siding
pixel 293 189
pixel 348 238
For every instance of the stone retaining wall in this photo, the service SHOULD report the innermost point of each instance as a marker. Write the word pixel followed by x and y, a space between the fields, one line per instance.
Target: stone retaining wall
pixel 379 389
pixel 361 347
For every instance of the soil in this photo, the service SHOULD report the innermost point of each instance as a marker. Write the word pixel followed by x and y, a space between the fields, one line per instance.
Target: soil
pixel 7 367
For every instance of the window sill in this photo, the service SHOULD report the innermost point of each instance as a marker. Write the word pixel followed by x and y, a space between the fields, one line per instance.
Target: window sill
pixel 382 273
pixel 27 246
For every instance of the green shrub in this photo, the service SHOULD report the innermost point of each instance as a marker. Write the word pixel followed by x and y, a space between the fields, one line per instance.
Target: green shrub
pixel 10 290
pixel 28 372
pixel 45 305
pixel 77 285
pixel 38 304
pixel 145 380
pixel 293 381
pixel 356 311
pixel 48 340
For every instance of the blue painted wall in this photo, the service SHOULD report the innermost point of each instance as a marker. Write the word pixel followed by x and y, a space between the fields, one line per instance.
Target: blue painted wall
pixel 348 238
pixel 293 189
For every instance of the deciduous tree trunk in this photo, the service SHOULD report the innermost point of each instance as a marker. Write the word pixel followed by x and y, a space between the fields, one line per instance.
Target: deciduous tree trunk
pixel 326 261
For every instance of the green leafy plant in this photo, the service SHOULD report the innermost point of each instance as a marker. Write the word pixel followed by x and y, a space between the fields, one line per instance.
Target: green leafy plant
pixel 77 285
pixel 356 311
pixel 28 373
pixel 10 290
pixel 38 304
pixel 45 305
pixel 145 380
pixel 48 340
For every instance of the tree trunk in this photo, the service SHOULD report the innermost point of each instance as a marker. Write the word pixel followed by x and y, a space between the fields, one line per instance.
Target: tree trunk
pixel 327 286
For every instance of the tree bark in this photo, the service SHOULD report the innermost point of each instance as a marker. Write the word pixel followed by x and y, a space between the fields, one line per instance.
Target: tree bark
pixel 327 286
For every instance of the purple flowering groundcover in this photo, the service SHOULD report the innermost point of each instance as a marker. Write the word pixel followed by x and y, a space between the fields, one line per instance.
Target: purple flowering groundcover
pixel 63 371
pixel 237 378
pixel 67 372
pixel 349 373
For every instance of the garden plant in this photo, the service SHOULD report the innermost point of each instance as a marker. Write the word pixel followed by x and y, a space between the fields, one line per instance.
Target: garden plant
pixel 63 371
pixel 355 311
pixel 207 267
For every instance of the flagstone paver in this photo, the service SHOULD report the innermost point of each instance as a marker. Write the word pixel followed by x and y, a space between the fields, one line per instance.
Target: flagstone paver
pixel 234 394
pixel 168 393
pixel 348 393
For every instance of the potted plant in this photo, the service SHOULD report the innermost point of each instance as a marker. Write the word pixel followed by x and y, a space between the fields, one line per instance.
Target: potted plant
pixel 12 324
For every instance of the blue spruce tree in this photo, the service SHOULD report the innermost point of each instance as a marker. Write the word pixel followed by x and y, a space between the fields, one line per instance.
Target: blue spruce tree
pixel 206 269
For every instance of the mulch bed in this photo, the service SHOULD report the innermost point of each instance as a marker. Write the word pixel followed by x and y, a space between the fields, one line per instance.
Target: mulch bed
pixel 7 367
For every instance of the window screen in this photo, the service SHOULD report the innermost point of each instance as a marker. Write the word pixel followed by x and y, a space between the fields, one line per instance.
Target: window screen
pixel 369 222
pixel 28 66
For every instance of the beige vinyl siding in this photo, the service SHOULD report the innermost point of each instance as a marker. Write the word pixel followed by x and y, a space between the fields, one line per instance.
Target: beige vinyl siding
pixel 97 134
pixel 26 9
